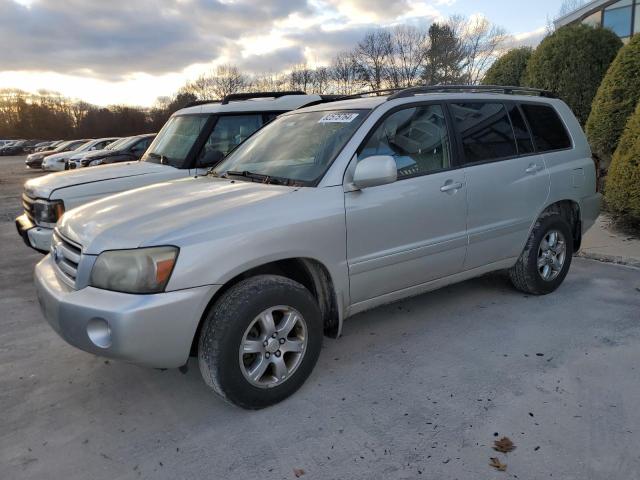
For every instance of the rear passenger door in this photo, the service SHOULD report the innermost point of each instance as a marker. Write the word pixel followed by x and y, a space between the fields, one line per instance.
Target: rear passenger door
pixel 413 230
pixel 507 182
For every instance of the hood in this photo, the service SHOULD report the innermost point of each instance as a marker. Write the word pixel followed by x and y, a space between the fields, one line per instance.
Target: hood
pixel 102 153
pixel 58 156
pixel 86 153
pixel 164 213
pixel 43 187
pixel 37 155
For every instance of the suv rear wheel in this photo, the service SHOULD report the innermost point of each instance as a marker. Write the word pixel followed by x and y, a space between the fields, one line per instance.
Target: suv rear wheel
pixel 260 341
pixel 546 257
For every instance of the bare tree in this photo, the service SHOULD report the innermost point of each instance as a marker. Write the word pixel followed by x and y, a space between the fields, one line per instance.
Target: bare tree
pixel 372 56
pixel 226 79
pixel 344 73
pixel 481 41
pixel 408 50
pixel 301 77
pixel 320 82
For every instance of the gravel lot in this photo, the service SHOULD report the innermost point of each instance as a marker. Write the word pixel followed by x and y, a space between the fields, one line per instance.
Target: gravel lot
pixel 418 389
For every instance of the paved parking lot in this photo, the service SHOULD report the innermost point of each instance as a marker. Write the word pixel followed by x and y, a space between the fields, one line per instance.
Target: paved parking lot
pixel 418 389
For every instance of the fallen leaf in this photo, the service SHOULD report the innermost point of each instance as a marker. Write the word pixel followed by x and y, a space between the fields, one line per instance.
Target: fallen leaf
pixel 298 472
pixel 504 445
pixel 497 464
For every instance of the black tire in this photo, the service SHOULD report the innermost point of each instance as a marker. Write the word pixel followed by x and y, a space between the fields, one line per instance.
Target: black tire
pixel 524 274
pixel 224 328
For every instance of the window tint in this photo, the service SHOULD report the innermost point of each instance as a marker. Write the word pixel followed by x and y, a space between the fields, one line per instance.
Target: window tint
pixel 415 137
pixel 523 139
pixel 230 131
pixel 485 131
pixel 547 128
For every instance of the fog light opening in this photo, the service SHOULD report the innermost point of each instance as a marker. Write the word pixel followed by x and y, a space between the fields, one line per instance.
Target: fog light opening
pixel 99 332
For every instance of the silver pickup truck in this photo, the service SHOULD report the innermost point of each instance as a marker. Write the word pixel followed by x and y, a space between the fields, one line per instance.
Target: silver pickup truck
pixel 325 212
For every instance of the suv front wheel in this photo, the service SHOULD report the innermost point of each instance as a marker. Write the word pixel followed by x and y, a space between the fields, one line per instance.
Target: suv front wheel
pixel 546 257
pixel 260 341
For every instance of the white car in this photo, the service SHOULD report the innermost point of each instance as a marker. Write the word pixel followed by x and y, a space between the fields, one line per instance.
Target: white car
pixel 193 140
pixel 60 161
pixel 76 160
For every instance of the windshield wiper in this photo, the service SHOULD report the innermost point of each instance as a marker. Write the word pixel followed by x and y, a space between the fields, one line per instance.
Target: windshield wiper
pixel 260 177
pixel 163 160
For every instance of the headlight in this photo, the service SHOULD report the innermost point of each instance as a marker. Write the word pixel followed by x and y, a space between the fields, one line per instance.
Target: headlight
pixel 96 162
pixel 141 270
pixel 47 212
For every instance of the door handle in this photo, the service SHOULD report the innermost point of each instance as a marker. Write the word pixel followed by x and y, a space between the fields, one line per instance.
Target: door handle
pixel 533 168
pixel 450 185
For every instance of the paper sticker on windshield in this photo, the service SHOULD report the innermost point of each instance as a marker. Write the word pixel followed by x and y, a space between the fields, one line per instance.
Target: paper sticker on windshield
pixel 338 118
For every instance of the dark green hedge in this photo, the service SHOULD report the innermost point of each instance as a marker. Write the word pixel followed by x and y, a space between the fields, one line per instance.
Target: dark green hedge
pixel 509 68
pixel 616 98
pixel 623 181
pixel 572 62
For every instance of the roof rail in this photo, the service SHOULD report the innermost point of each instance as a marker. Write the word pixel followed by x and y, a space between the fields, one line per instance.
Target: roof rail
pixel 248 96
pixel 195 103
pixel 370 92
pixel 323 99
pixel 508 90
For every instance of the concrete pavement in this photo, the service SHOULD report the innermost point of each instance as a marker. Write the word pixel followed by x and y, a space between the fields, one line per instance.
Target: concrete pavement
pixel 604 242
pixel 415 389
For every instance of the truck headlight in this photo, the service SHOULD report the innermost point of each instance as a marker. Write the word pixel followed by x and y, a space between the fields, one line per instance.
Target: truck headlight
pixel 47 211
pixel 140 270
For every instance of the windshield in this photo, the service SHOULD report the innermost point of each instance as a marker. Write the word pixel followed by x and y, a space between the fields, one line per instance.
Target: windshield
pixel 62 146
pixel 85 146
pixel 116 145
pixel 298 147
pixel 174 142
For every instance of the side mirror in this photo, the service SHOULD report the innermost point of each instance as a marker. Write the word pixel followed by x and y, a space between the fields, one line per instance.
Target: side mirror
pixel 210 159
pixel 375 170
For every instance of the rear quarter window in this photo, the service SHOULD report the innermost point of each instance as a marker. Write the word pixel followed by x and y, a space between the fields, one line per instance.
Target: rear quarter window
pixel 549 133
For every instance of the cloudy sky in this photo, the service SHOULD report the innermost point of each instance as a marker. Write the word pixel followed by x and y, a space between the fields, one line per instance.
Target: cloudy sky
pixel 132 51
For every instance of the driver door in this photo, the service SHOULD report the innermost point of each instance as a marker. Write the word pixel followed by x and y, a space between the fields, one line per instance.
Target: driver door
pixel 412 231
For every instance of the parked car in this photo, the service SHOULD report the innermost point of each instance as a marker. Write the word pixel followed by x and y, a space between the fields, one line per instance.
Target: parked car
pixel 14 148
pixel 132 149
pixel 35 159
pixel 325 212
pixel 4 143
pixel 47 145
pixel 30 146
pixel 60 161
pixel 77 159
pixel 193 140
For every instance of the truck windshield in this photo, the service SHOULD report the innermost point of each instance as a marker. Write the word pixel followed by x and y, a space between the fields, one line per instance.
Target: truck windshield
pixel 297 147
pixel 174 142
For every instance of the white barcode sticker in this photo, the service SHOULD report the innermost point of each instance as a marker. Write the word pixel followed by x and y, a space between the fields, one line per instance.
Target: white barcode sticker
pixel 338 118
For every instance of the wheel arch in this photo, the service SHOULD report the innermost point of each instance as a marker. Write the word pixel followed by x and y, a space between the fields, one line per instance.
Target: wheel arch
pixel 570 210
pixel 307 271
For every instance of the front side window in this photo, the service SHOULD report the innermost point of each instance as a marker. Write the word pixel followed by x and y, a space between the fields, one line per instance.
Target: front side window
pixel 228 133
pixel 546 127
pixel 485 131
pixel 415 137
pixel 298 147
pixel 175 140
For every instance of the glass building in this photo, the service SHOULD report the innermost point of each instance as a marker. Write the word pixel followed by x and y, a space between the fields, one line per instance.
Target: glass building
pixel 621 16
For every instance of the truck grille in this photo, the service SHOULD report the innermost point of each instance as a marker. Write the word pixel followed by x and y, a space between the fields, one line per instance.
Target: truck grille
pixel 66 256
pixel 27 204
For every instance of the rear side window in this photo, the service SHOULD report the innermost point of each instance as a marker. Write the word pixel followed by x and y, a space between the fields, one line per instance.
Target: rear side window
pixel 523 139
pixel 485 131
pixel 547 128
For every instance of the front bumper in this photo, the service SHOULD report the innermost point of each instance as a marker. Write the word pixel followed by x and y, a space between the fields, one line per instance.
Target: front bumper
pixel 153 330
pixel 38 238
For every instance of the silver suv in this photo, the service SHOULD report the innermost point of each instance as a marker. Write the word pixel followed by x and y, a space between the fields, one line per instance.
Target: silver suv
pixel 325 212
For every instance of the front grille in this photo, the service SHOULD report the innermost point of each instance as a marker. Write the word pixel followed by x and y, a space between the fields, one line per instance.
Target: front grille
pixel 66 256
pixel 27 204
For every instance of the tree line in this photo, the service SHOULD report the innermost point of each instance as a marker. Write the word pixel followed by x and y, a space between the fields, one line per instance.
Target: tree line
pixel 456 51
